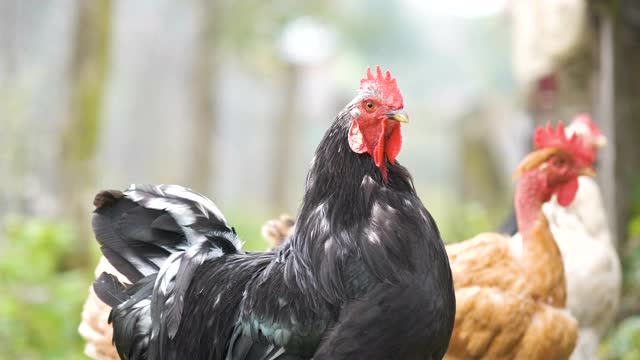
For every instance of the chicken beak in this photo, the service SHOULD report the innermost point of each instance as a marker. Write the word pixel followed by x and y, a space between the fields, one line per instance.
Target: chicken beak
pixel 587 171
pixel 399 116
pixel 601 141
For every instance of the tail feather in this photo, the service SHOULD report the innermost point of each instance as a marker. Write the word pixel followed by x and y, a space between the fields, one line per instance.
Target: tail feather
pixel 125 248
pixel 132 322
pixel 110 290
pixel 129 314
pixel 157 236
pixel 194 213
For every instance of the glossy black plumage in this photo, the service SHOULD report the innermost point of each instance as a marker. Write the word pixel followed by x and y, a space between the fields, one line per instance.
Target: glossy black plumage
pixel 363 276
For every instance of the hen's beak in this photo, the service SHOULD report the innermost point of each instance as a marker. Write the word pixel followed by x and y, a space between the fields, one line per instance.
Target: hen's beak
pixel 587 171
pixel 601 141
pixel 399 116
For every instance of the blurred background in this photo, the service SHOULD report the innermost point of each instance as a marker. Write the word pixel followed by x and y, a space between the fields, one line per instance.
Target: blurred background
pixel 230 98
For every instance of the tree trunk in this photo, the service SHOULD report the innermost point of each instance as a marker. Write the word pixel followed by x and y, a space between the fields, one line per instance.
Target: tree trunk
pixel 604 101
pixel 202 140
pixel 88 71
pixel 618 105
pixel 283 135
pixel 627 113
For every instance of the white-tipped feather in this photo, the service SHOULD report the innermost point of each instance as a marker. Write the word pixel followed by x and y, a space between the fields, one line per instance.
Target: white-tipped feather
pixel 168 273
pixel 278 353
pixel 205 232
pixel 179 202
pixel 182 192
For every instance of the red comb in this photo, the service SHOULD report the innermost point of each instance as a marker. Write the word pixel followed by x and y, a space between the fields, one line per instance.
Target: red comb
pixel 386 86
pixel 548 137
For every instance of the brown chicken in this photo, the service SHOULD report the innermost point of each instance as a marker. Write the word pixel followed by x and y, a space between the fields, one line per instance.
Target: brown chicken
pixel 276 230
pixel 511 292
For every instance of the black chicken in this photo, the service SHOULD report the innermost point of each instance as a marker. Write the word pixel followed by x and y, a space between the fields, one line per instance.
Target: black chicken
pixel 364 275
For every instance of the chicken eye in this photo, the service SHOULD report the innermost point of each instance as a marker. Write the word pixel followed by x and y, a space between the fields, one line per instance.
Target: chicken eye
pixel 370 105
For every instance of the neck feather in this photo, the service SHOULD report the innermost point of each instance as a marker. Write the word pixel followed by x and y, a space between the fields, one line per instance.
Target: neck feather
pixel 531 193
pixel 337 202
pixel 541 258
pixel 337 171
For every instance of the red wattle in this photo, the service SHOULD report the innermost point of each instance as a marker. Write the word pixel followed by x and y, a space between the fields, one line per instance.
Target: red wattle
pixel 379 143
pixel 378 152
pixel 567 192
pixel 394 143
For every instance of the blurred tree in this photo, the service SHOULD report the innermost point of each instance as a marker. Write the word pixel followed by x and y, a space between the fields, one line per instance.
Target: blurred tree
pixel 283 138
pixel 617 105
pixel 624 184
pixel 203 72
pixel 88 70
pixel 618 88
pixel 253 26
pixel 626 110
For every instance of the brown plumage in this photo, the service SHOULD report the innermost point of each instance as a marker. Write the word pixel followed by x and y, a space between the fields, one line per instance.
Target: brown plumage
pixel 510 300
pixel 511 291
pixel 482 255
pixel 276 230
pixel 494 324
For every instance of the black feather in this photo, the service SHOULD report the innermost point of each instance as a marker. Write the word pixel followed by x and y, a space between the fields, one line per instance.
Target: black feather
pixel 165 222
pixel 131 325
pixel 126 255
pixel 110 290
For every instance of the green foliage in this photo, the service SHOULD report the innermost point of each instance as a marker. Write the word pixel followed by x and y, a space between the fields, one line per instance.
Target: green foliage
pixel 634 224
pixel 630 256
pixel 624 342
pixel 90 73
pixel 40 300
pixel 248 227
pixel 632 259
pixel 458 220
pixel 631 266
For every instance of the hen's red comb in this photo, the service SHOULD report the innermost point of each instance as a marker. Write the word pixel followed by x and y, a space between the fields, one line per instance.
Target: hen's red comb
pixel 385 85
pixel 548 137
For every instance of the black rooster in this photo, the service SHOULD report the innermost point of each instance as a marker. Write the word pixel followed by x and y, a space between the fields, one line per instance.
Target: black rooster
pixel 364 275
